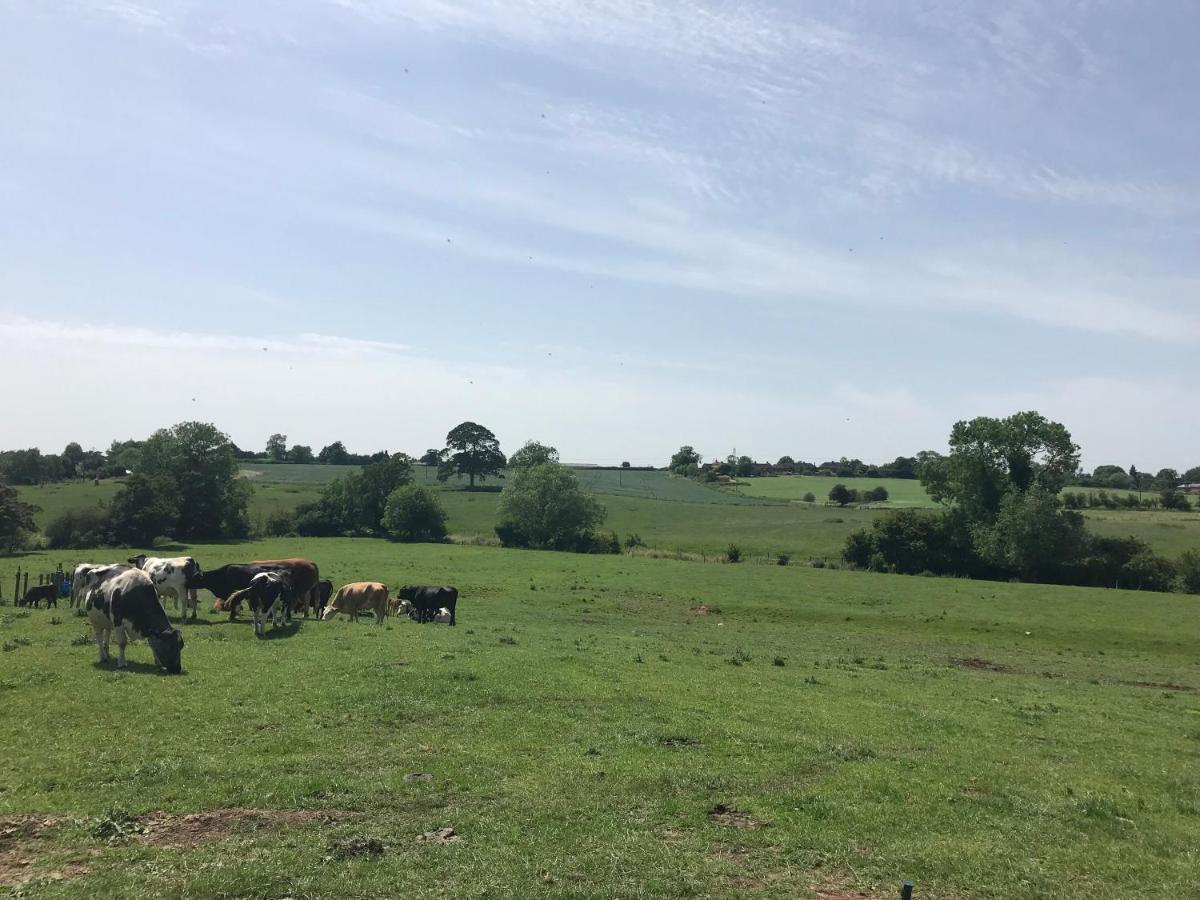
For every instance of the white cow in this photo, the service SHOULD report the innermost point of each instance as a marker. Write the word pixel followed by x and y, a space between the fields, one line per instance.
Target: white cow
pixel 171 577
pixel 89 576
pixel 126 606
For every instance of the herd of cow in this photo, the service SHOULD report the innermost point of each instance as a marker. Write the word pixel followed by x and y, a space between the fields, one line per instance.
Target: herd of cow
pixel 124 600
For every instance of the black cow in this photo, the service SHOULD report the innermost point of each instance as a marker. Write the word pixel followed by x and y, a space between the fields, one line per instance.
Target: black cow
pixel 127 605
pixel 269 597
pixel 426 601
pixel 38 593
pixel 224 582
pixel 325 589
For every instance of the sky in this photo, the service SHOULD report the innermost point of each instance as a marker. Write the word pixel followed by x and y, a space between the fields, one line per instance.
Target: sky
pixel 618 226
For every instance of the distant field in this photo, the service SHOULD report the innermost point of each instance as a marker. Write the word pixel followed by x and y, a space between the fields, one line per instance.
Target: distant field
pixel 273 473
pixel 901 491
pixel 586 717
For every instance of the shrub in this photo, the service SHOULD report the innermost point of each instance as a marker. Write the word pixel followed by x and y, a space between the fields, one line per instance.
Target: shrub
pixel 412 513
pixel 733 554
pixel 783 559
pixel 810 497
pixel 878 494
pixel 632 541
pixel 144 507
pixel 279 524
pixel 842 495
pixel 1189 572
pixel 319 519
pixel 1149 572
pixel 78 528
pixel 543 506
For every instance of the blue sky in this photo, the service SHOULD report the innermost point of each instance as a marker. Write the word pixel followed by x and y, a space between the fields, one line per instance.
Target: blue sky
pixel 617 226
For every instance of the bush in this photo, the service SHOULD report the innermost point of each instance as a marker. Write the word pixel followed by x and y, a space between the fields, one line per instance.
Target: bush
pixel 279 524
pixel 1149 572
pixel 878 494
pixel 842 495
pixel 146 506
pixel 543 506
pixel 412 513
pixel 633 540
pixel 317 519
pixel 783 559
pixel 810 497
pixel 78 528
pixel 1189 572
pixel 733 554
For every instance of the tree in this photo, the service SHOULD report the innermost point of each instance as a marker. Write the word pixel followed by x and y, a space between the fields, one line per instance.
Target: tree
pixel 990 458
pixel 625 464
pixel 471 450
pixel 1166 478
pixel 431 457
pixel 1032 538
pixel 72 456
pixel 878 494
pixel 543 506
pixel 810 497
pixel 372 487
pixel 1189 572
pixel 198 458
pixel 23 467
pixel 413 513
pixel 1135 478
pixel 684 458
pixel 533 453
pixel 146 507
pixel 786 463
pixel 300 454
pixel 743 467
pixel 1192 476
pixel 16 519
pixel 1112 477
pixel 334 455
pixel 277 447
pixel 841 495
pixel 123 457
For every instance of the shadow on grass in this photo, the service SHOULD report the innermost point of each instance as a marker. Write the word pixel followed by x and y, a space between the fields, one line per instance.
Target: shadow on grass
pixel 133 667
pixel 286 631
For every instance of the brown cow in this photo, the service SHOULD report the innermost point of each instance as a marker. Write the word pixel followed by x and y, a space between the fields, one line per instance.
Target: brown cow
pixel 305 581
pixel 359 597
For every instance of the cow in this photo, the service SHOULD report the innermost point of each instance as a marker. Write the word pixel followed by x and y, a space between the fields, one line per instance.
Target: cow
pixel 171 577
pixel 89 576
pixel 127 605
pixel 227 580
pixel 304 578
pixel 38 593
pixel 325 586
pixel 358 597
pixel 427 601
pixel 443 615
pixel 269 597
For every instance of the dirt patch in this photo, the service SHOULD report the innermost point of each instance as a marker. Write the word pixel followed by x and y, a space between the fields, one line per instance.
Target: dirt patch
pixel 357 848
pixel 1159 685
pixel 700 610
pixel 23 842
pixel 678 741
pixel 736 855
pixel 415 777
pixel 984 665
pixel 746 883
pixel 836 887
pixel 731 817
pixel 184 832
pixel 440 836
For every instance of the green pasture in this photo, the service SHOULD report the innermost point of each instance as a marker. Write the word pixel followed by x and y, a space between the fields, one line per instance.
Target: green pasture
pixel 901 491
pixel 587 715
pixel 293 473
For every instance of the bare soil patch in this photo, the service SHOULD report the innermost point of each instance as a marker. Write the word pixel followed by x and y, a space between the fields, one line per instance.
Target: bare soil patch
pixel 23 843
pixel 724 816
pixel 984 665
pixel 679 741
pixel 1159 685
pixel 440 836
pixel 185 832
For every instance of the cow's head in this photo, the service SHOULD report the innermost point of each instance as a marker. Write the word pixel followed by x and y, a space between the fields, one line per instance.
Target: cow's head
pixel 168 648
pixel 407 592
pixel 138 561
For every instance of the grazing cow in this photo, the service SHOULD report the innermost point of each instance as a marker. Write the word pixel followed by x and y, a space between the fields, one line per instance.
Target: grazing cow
pixel 325 586
pixel 427 601
pixel 172 578
pixel 127 605
pixel 226 581
pixel 269 597
pixel 304 578
pixel 358 597
pixel 38 593
pixel 89 576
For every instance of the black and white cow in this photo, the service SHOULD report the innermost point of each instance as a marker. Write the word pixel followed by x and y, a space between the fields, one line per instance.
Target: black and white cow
pixel 269 597
pixel 127 606
pixel 171 578
pixel 427 602
pixel 89 576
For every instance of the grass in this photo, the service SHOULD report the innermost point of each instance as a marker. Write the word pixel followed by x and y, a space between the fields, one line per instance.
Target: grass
pixel 984 740
pixel 901 491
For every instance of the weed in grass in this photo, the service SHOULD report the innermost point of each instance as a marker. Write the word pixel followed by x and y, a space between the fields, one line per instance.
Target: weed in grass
pixel 508 639
pixel 15 643
pixel 116 825
pixel 780 661
pixel 55 620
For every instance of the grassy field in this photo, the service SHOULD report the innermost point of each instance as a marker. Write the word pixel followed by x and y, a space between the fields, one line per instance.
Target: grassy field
pixel 901 491
pixel 587 716
pixel 759 527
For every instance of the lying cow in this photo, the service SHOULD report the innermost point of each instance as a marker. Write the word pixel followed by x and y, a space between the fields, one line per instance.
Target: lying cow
pixel 89 576
pixel 126 605
pixel 268 597
pixel 38 593
pixel 172 578
pixel 428 601
pixel 359 597
pixel 405 608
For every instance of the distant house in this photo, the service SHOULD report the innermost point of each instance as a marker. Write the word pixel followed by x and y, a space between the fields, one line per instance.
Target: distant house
pixel 1190 488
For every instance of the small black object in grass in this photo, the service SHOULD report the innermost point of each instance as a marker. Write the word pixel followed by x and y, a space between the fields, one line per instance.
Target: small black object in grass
pixel 780 661
pixel 906 890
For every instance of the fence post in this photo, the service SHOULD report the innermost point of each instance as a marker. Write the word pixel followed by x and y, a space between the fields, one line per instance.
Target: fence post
pixel 17 588
pixel 26 591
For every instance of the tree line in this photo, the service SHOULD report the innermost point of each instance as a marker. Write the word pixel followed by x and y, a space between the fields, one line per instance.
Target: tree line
pixel 1003 518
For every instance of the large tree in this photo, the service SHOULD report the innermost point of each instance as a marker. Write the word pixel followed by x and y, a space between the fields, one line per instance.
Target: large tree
pixel 991 458
pixel 277 447
pixel 301 453
pixel 544 506
pixel 16 519
pixel 684 460
pixel 199 459
pixel 146 507
pixel 471 450
pixel 534 453
pixel 334 454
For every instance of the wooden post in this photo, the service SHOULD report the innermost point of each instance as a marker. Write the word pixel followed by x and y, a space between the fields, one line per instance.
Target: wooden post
pixel 17 589
pixel 26 591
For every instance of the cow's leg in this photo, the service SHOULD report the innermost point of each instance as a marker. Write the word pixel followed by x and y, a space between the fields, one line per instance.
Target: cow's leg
pixel 101 642
pixel 258 626
pixel 122 640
